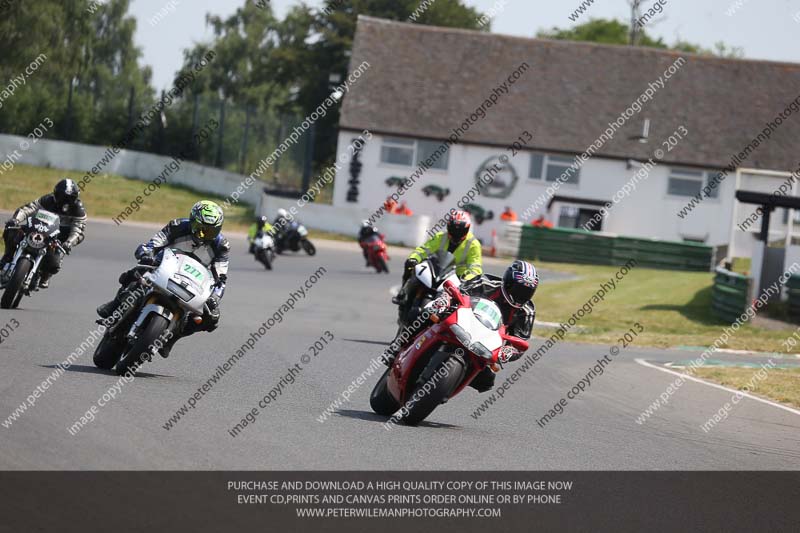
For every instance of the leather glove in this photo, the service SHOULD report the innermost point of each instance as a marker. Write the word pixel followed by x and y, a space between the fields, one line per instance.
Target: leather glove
pixel 411 263
pixel 213 306
pixel 146 256
pixel 508 353
pixel 148 259
pixel 67 246
pixel 440 305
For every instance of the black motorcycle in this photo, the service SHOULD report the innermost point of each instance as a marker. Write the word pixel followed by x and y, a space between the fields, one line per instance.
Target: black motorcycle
pixel 293 238
pixel 39 235
pixel 425 285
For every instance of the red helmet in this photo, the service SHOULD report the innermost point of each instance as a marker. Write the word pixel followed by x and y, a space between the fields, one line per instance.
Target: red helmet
pixel 458 225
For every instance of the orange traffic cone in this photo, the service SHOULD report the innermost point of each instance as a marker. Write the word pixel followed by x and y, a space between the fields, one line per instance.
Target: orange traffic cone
pixel 493 250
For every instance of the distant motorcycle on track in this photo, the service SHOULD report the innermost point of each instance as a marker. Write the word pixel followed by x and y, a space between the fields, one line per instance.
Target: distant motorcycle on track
pixel 376 253
pixel 263 248
pixel 39 235
pixel 293 238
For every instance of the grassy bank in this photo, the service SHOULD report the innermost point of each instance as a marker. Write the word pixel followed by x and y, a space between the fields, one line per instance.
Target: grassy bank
pixel 780 384
pixel 107 196
pixel 673 307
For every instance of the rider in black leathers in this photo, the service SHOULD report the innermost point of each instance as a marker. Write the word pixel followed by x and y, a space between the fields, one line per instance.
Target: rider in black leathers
pixel 64 202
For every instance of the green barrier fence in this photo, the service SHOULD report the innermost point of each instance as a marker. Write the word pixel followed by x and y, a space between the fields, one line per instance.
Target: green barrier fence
pixel 579 246
pixel 730 295
pixel 793 286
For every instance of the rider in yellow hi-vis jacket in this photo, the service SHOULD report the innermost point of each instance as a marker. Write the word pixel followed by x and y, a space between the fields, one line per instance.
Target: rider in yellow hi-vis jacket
pixel 459 241
pixel 261 225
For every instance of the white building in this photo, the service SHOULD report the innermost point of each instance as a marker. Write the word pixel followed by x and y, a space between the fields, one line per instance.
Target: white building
pixel 426 85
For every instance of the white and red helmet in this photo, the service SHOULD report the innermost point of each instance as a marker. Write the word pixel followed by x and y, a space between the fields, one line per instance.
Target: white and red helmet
pixel 458 225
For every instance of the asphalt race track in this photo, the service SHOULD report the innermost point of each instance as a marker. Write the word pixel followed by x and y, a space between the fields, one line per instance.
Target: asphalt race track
pixel 596 431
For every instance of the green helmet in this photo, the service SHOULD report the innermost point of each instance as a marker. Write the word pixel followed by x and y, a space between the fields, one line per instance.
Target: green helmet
pixel 206 219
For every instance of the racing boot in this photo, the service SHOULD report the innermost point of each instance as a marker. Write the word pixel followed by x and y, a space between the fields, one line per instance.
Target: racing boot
pixel 484 381
pixel 44 280
pixel 107 309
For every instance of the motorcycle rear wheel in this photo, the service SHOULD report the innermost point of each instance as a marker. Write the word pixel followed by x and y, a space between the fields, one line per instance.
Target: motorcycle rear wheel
pixel 15 288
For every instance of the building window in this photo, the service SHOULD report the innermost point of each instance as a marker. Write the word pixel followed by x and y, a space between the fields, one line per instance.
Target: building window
pixel 410 152
pixel 397 151
pixel 552 167
pixel 688 182
pixel 426 149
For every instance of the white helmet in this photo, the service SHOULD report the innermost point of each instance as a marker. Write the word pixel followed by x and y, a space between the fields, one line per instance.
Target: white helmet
pixel 282 213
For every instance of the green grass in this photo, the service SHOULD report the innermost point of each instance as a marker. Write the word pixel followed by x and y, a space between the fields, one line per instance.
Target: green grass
pixel 673 307
pixel 108 195
pixel 780 384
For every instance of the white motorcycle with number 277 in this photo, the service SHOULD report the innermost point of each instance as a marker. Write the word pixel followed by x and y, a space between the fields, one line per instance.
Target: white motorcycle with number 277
pixel 170 294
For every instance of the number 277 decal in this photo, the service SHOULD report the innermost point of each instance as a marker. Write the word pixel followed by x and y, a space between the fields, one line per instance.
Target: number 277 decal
pixel 193 271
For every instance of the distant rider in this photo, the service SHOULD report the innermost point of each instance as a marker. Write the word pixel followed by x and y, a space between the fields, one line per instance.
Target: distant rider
pixel 280 225
pixel 260 226
pixel 65 203
pixel 365 233
pixel 200 234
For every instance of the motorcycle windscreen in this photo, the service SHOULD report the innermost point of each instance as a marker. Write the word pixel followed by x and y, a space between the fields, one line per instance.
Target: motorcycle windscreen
pixel 46 222
pixel 478 331
pixel 487 313
pixel 445 265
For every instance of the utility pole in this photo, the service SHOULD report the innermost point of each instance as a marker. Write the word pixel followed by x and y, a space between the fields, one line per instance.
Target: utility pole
pixel 635 16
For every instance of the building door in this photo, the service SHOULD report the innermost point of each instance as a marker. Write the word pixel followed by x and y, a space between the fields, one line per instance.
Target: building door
pixel 580 218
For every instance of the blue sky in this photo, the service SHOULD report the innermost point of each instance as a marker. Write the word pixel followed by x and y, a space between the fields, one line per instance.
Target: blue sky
pixel 765 29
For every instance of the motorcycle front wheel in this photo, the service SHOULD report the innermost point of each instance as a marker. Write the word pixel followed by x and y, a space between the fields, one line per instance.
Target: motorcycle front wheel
pixel 429 394
pixel 382 266
pixel 263 256
pixel 141 351
pixel 381 400
pixel 107 352
pixel 15 288
pixel 309 247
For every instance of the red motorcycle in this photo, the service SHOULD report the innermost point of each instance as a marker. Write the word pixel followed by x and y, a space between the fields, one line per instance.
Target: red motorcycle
pixel 445 358
pixel 376 253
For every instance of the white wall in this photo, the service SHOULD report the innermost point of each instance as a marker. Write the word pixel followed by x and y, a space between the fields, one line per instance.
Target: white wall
pixel 648 212
pixel 399 229
pixel 128 163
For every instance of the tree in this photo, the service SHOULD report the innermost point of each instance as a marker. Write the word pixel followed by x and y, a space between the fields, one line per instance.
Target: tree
pixel 615 32
pixel 331 36
pixel 90 65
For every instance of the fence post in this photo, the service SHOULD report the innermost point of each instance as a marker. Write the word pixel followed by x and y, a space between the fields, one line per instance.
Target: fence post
pixel 309 157
pixel 221 136
pixel 243 156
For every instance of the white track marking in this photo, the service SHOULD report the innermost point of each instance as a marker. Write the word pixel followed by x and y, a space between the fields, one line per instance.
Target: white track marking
pixel 734 391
